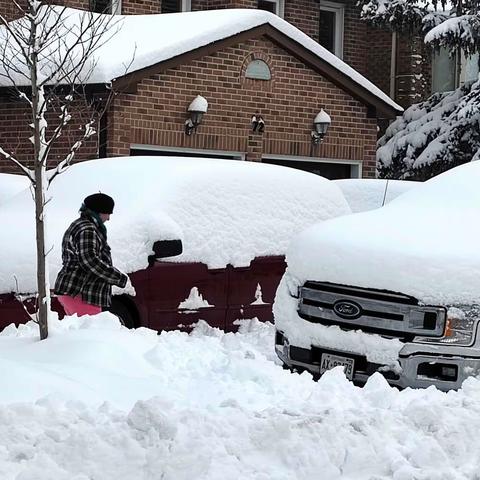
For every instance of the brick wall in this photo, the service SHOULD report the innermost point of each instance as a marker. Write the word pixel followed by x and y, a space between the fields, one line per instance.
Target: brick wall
pixel 143 7
pixel 304 14
pixel 15 133
pixel 379 59
pixel 155 115
pixel 355 44
pixel 413 82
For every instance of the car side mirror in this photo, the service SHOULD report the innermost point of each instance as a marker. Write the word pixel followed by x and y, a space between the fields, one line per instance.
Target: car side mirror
pixel 164 249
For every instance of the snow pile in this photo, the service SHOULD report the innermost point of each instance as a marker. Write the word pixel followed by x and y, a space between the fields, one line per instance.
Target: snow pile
pixel 174 35
pixel 96 400
pixel 424 243
pixel 223 211
pixel 367 193
pixel 10 185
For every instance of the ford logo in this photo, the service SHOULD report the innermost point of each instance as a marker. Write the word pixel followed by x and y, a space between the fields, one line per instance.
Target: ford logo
pixel 346 309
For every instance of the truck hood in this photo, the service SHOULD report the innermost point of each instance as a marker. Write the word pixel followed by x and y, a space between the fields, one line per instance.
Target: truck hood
pixel 425 243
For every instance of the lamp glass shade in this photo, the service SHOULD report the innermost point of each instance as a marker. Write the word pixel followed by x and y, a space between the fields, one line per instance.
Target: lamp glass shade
pixel 322 122
pixel 196 116
pixel 322 127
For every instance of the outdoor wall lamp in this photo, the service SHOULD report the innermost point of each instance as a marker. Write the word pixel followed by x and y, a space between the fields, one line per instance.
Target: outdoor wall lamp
pixel 195 110
pixel 320 126
pixel 258 123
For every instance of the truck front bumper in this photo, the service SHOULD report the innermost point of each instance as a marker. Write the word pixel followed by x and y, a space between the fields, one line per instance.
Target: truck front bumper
pixel 417 369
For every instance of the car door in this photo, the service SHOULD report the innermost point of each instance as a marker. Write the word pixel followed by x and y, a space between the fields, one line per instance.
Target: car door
pixel 180 294
pixel 251 290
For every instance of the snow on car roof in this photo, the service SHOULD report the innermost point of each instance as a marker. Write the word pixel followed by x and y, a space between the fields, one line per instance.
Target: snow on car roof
pixel 424 243
pixel 225 211
pixel 11 184
pixel 364 194
pixel 177 33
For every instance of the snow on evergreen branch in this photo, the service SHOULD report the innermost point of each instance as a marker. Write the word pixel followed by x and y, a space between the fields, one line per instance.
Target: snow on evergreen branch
pixel 432 136
pixel 463 32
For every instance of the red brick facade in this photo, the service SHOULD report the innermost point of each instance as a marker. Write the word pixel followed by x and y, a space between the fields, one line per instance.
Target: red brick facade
pixel 155 114
pixel 15 133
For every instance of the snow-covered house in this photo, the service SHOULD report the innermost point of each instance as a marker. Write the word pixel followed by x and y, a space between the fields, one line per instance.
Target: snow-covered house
pixel 243 64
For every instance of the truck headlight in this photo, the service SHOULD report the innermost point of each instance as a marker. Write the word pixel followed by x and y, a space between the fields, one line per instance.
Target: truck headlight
pixel 459 329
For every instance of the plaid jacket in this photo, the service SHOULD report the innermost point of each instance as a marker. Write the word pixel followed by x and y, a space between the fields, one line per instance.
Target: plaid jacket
pixel 87 264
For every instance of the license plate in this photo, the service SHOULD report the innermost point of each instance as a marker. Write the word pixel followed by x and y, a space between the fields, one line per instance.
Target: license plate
pixel 331 361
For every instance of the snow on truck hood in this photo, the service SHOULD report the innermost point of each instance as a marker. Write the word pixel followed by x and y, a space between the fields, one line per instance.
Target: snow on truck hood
pixel 224 211
pixel 425 243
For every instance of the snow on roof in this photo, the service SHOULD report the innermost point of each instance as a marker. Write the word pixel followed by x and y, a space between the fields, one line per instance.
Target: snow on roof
pixel 364 194
pixel 424 243
pixel 145 40
pixel 224 211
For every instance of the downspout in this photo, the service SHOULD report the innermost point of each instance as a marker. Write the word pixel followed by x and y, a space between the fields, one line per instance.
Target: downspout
pixel 393 66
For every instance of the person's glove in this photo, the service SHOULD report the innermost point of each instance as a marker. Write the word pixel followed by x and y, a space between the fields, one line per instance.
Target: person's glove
pixel 128 289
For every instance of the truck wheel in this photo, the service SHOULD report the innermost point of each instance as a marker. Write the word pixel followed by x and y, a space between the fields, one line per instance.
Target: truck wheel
pixel 123 313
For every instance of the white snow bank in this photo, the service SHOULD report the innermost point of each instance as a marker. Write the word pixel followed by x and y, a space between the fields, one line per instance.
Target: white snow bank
pixel 424 243
pixel 130 41
pixel 96 400
pixel 223 211
pixel 10 185
pixel 364 194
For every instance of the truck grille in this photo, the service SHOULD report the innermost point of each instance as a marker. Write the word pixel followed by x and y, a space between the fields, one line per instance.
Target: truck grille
pixel 377 311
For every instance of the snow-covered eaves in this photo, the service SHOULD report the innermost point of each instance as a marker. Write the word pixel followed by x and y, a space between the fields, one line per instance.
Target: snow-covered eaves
pixel 142 43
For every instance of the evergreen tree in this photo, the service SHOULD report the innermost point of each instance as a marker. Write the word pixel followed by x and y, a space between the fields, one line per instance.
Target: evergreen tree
pixel 443 131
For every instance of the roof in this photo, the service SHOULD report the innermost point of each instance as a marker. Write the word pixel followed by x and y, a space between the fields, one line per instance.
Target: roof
pixel 132 50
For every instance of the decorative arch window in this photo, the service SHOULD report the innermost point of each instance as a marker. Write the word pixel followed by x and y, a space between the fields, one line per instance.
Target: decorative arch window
pixel 259 70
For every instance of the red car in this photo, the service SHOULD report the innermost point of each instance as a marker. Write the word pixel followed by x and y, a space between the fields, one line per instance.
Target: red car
pixel 200 238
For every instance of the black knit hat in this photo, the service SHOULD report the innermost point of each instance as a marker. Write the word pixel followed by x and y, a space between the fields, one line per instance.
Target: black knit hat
pixel 100 203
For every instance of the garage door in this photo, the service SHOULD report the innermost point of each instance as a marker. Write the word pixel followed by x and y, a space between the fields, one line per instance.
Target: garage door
pixel 330 170
pixel 138 150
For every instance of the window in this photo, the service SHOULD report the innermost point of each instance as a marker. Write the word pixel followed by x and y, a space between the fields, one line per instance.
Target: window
pixel 444 70
pixel 470 69
pixel 331 27
pixel 173 6
pixel 106 6
pixel 258 70
pixel 274 6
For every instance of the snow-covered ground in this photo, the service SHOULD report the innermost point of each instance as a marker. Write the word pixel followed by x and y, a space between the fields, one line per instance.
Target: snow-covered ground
pixel 97 401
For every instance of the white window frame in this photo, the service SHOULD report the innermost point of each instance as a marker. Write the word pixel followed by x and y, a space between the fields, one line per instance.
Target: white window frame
pixel 279 7
pixel 339 11
pixel 356 165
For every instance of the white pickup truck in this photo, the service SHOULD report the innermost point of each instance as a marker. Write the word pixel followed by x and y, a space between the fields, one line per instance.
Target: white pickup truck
pixel 394 290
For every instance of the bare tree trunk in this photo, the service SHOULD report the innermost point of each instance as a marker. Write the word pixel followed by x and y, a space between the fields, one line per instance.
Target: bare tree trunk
pixel 42 274
pixel 51 52
pixel 38 109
